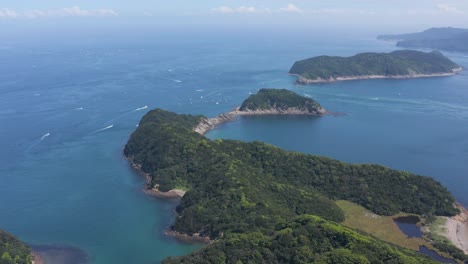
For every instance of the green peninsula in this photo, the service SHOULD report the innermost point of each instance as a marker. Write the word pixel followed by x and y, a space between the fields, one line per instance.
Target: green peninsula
pixel 394 65
pixel 13 251
pixel 450 39
pixel 257 203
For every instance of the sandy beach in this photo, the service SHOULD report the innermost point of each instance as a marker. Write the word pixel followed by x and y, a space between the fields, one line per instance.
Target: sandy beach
pixel 456 229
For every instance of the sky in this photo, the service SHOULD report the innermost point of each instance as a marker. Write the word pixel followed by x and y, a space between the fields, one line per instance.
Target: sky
pixel 395 15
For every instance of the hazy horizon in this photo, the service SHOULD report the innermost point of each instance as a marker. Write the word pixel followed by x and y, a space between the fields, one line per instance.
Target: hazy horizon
pixel 363 17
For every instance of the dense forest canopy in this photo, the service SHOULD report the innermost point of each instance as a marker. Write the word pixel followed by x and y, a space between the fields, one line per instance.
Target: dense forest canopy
pixel 281 100
pixel 396 63
pixel 237 191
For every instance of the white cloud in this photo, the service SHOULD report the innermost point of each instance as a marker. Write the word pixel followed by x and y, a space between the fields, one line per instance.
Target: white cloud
pixel 291 8
pixel 342 11
pixel 8 13
pixel 240 10
pixel 63 12
pixel 450 9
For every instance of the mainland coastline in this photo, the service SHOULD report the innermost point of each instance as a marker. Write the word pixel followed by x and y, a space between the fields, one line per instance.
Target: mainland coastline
pixel 203 126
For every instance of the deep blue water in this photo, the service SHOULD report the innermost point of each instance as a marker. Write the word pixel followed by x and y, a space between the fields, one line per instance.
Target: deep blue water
pixel 69 103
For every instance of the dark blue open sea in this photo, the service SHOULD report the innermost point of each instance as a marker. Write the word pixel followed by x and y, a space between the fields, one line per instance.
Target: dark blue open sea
pixel 68 107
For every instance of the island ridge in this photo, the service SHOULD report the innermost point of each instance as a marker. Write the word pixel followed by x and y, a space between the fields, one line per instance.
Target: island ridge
pixel 400 64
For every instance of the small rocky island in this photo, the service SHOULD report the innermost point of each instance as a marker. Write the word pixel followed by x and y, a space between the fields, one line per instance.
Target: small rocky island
pixel 266 102
pixel 400 64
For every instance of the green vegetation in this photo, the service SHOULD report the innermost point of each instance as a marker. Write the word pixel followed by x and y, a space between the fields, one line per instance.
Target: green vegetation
pixel 382 227
pixel 451 39
pixel 280 100
pixel 396 63
pixel 240 192
pixel 13 251
pixel 305 239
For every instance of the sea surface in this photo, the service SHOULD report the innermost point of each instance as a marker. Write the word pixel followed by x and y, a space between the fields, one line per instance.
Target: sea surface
pixel 68 103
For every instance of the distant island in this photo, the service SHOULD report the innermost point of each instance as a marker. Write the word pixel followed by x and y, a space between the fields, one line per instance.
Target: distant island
pixel 13 251
pixel 256 203
pixel 398 64
pixel 449 39
pixel 266 102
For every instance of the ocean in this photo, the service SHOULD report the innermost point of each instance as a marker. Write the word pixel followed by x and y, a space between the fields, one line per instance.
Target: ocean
pixel 68 107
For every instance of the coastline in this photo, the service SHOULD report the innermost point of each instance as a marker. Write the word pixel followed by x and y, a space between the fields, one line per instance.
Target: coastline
pixel 208 124
pixel 302 80
pixel 37 258
pixel 171 194
pixel 456 229
pixel 195 238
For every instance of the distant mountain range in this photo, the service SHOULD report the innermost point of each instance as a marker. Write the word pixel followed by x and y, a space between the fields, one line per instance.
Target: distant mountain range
pixel 449 39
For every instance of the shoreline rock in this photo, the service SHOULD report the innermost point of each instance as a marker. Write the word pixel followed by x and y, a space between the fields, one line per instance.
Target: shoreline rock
pixel 171 194
pixel 37 258
pixel 456 229
pixel 195 238
pixel 302 80
pixel 208 124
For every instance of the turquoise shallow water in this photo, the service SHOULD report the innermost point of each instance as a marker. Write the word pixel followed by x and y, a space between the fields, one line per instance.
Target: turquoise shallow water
pixel 66 111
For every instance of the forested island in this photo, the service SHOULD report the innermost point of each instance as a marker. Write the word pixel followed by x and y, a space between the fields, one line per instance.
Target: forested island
pixel 257 203
pixel 450 39
pixel 13 251
pixel 266 102
pixel 398 64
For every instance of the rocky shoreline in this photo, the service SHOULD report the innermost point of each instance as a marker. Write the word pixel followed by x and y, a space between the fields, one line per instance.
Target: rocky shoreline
pixel 456 229
pixel 171 194
pixel 208 124
pixel 37 258
pixel 302 80
pixel 195 238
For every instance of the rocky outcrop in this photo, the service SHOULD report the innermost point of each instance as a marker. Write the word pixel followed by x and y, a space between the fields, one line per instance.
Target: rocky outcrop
pixel 207 124
pixel 303 80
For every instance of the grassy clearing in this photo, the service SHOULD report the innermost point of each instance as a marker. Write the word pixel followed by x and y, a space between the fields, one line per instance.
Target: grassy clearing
pixel 437 228
pixel 382 227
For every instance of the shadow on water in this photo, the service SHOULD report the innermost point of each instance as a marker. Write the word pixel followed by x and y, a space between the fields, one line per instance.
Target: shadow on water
pixel 61 254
